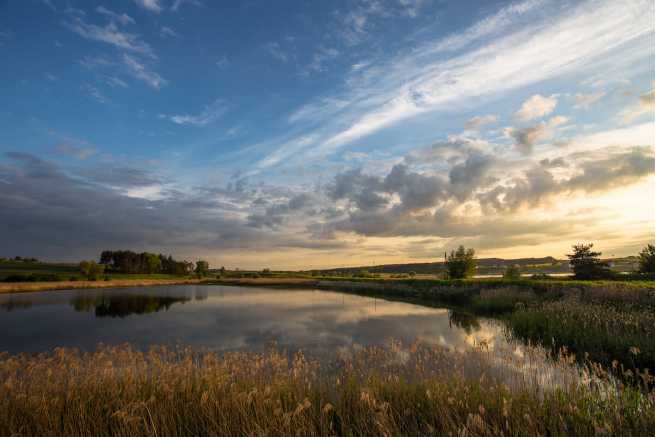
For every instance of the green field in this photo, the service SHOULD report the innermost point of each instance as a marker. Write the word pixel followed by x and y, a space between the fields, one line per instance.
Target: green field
pixel 40 271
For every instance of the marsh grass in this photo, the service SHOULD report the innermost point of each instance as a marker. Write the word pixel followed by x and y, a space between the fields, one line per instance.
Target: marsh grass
pixel 396 390
pixel 616 330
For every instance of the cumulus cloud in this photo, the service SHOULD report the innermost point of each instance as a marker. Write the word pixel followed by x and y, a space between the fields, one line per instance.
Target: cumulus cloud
pixel 526 138
pixel 210 114
pixel 536 106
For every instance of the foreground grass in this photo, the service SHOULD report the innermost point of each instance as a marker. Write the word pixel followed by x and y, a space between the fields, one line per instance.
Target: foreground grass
pixel 418 390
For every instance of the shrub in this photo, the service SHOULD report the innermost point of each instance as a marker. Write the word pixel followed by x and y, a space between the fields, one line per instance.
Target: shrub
pixel 512 273
pixel 647 259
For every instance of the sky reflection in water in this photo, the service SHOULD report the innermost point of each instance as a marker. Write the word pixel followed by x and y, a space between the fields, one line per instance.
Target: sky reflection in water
pixel 228 318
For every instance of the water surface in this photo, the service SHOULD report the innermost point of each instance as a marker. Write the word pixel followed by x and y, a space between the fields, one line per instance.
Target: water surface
pixel 228 318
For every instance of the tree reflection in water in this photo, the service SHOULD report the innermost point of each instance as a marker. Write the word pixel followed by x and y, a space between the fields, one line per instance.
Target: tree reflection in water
pixel 467 321
pixel 123 305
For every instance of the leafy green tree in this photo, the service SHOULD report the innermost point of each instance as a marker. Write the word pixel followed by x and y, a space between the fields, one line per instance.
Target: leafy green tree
pixel 647 259
pixel 461 263
pixel 153 263
pixel 91 269
pixel 586 263
pixel 202 268
pixel 512 273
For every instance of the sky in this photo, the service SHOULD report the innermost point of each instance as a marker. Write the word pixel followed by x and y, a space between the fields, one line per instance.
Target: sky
pixel 297 135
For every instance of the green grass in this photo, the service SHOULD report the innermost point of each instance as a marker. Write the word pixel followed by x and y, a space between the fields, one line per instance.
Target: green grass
pixel 62 272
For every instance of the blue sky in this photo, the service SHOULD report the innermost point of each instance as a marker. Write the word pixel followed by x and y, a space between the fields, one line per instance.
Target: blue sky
pixel 306 134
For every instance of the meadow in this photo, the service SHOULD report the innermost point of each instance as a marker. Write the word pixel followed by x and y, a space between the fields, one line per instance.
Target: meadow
pixel 394 390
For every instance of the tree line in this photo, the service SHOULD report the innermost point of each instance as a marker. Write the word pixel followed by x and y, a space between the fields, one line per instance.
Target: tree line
pixel 585 263
pixel 129 262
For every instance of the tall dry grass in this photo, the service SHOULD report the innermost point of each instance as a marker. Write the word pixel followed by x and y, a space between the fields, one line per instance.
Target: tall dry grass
pixel 397 390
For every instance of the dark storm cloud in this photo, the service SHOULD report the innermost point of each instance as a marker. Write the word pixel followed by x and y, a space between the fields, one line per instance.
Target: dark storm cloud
pixel 51 213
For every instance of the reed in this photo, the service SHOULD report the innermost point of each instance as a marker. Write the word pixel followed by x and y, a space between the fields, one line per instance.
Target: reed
pixel 396 390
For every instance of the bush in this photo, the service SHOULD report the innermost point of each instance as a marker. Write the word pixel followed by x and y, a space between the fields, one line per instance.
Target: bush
pixel 647 259
pixel 512 273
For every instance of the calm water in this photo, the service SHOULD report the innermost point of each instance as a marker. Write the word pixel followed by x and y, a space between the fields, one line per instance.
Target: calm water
pixel 227 318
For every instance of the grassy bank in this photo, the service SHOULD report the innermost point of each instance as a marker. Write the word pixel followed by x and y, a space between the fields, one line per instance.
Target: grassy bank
pixel 394 391
pixel 21 287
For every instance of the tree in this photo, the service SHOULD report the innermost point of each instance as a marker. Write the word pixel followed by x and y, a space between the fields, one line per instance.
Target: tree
pixel 586 263
pixel 512 273
pixel 91 269
pixel 461 263
pixel 647 259
pixel 202 268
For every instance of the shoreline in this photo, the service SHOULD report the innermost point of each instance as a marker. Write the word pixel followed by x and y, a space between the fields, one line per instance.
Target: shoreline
pixel 26 287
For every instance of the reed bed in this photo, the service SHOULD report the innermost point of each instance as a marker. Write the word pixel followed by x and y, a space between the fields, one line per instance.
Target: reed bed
pixel 391 391
pixel 615 330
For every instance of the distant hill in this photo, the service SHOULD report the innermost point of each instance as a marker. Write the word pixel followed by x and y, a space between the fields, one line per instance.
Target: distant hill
pixel 486 266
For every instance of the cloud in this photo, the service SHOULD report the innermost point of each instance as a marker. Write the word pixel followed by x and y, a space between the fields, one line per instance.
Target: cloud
pixel 49 4
pixel 179 3
pixel 320 57
pixel 81 153
pixel 93 92
pixel 63 215
pixel 646 105
pixel 168 32
pixel 223 63
pixel 536 106
pixel 526 138
pixel 412 84
pixel 110 34
pixel 476 123
pixel 412 7
pixel 585 101
pixel 123 19
pixel 114 81
pixel 488 26
pixel 210 114
pixel 150 5
pixel 140 71
pixel 274 49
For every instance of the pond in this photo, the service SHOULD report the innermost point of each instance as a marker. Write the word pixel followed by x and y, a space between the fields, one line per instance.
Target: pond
pixel 226 318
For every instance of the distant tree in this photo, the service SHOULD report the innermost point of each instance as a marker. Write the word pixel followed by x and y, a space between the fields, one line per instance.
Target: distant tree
pixel 512 272
pixel 266 271
pixel 586 263
pixel 202 268
pixel 153 263
pixel 412 274
pixel 461 263
pixel 91 269
pixel 647 259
